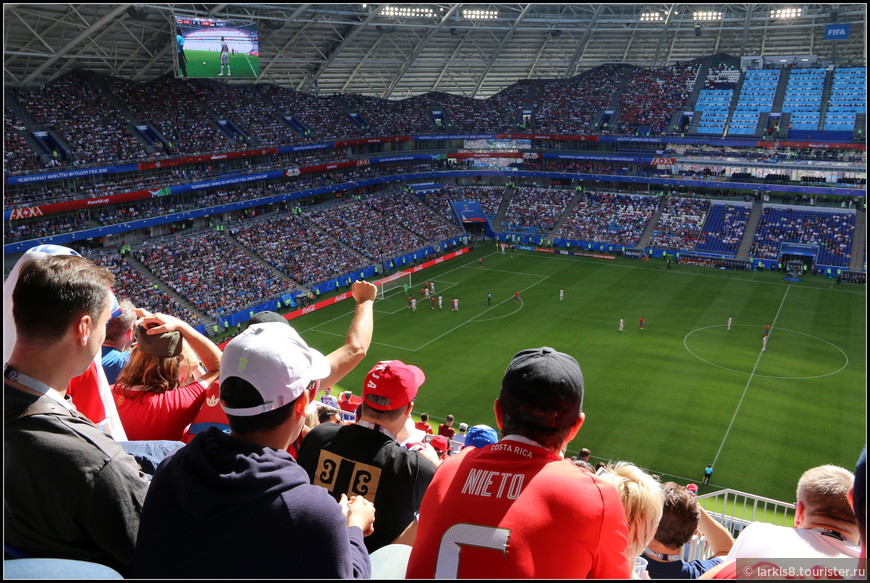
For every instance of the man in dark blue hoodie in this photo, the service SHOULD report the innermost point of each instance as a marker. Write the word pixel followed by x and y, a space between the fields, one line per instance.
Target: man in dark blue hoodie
pixel 238 505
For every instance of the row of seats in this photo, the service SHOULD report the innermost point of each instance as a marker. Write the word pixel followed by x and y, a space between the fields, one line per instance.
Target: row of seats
pixel 848 98
pixel 756 97
pixel 803 98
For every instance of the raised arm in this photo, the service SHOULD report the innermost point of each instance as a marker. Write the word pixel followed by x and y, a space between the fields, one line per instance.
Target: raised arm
pixel 359 335
pixel 206 350
pixel 718 537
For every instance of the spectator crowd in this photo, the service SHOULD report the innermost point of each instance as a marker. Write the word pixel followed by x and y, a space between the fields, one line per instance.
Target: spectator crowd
pixel 260 481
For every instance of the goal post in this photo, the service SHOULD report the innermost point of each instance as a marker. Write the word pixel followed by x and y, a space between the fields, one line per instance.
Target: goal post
pixel 388 285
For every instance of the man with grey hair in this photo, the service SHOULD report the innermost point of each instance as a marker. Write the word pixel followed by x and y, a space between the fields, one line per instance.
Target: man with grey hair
pixel 119 338
pixel 825 526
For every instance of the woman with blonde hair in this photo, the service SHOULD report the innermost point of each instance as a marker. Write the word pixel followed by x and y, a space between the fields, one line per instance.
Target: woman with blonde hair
pixel 643 501
pixel 163 386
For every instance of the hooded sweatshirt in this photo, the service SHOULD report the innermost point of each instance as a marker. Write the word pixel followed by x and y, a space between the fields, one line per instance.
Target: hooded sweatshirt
pixel 222 508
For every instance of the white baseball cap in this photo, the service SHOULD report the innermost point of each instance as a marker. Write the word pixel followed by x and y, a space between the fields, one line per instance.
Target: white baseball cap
pixel 276 361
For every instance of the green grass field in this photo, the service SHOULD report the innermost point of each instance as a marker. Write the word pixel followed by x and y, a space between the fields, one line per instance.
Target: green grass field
pixel 208 64
pixel 672 398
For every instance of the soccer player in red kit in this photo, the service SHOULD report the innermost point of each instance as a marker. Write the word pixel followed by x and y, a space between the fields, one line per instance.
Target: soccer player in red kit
pixel 517 509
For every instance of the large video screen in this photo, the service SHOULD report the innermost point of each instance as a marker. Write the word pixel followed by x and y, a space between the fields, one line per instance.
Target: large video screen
pixel 206 47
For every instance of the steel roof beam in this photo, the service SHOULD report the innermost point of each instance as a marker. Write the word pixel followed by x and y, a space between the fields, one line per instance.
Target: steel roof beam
pixel 497 52
pixel 94 28
pixel 584 40
pixel 357 29
pixel 417 50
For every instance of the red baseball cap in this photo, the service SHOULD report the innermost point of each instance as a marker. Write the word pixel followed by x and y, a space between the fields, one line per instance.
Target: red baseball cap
pixel 395 382
pixel 440 443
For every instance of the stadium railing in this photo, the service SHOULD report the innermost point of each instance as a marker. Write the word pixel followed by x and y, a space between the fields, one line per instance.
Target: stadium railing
pixel 735 510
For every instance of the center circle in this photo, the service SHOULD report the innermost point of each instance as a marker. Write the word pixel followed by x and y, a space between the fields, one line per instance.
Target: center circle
pixel 776 332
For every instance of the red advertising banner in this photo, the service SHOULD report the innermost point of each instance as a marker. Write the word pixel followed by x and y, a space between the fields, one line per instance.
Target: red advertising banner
pixel 340 297
pixel 325 167
pixel 25 213
pixel 72 205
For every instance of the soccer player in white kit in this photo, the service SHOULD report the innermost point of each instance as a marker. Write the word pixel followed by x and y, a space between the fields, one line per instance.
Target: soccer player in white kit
pixel 621 324
pixel 225 58
pixel 561 295
pixel 413 304
pixel 440 299
pixel 729 322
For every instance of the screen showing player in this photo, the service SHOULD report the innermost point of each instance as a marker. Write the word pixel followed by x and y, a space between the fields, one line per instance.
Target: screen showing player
pixel 207 47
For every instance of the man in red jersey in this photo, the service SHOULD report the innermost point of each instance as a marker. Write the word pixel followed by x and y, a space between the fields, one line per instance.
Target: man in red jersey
pixel 517 509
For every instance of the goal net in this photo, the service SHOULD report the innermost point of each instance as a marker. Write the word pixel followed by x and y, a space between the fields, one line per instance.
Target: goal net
pixel 389 285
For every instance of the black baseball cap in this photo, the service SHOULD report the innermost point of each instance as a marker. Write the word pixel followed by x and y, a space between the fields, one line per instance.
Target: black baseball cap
pixel 267 316
pixel 543 387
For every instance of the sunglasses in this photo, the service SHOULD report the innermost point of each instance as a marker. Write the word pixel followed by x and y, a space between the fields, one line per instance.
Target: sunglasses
pixel 313 388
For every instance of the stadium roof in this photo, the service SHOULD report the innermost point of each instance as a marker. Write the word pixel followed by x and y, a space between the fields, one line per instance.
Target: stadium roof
pixel 474 50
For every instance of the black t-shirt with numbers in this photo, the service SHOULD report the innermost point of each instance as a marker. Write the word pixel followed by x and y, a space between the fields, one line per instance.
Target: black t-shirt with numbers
pixel 360 461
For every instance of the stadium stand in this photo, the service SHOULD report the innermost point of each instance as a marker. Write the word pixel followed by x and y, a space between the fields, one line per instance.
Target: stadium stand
pixel 247 111
pixel 304 253
pixel 130 284
pixel 408 211
pixel 830 231
pixel 210 272
pixel 389 118
pixel 803 98
pixel 187 127
pixel 366 230
pixel 535 210
pixel 91 125
pixel 499 113
pixel 18 156
pixel 609 218
pixel 680 223
pixel 324 117
pixel 756 97
pixel 489 197
pixel 724 229
pixel 651 97
pixel 564 107
pixel 848 98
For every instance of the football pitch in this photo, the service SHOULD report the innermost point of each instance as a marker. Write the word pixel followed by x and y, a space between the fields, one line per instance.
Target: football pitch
pixel 208 64
pixel 672 398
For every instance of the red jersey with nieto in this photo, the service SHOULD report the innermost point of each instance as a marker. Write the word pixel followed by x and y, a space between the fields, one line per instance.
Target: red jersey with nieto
pixel 517 511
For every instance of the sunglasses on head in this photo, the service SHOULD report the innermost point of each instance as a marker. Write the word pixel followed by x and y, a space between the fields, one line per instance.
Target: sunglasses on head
pixel 312 389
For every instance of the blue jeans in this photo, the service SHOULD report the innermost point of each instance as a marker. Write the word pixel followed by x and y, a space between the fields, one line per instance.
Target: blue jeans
pixel 149 454
pixel 56 569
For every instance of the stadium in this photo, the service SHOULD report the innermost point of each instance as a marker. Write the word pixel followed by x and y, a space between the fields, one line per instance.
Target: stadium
pixel 674 195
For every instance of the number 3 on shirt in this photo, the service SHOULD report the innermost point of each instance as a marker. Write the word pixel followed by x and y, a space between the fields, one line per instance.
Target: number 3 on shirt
pixel 460 535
